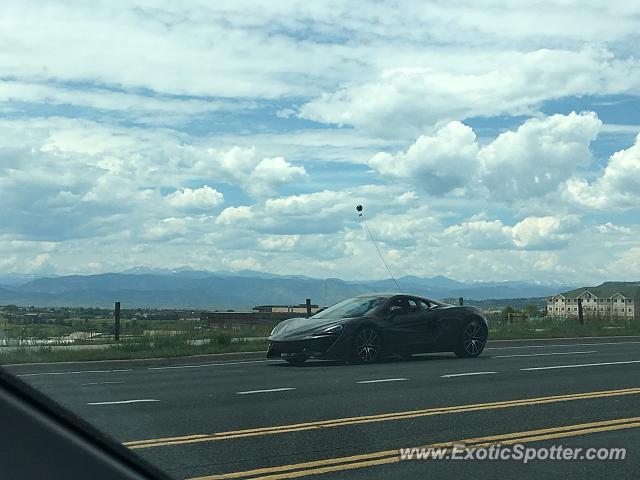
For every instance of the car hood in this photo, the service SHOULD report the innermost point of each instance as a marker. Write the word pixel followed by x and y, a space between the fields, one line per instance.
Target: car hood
pixel 302 327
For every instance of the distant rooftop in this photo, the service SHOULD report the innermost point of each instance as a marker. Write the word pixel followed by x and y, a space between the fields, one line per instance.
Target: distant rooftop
pixel 285 308
pixel 608 290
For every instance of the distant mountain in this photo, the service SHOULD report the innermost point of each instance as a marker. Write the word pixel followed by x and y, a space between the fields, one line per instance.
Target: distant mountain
pixel 16 278
pixel 184 288
pixel 433 282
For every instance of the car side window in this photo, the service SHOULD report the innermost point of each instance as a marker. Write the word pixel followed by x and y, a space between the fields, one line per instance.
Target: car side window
pixel 402 304
pixel 413 306
pixel 423 305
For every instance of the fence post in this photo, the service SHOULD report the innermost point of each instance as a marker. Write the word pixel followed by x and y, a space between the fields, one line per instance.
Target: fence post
pixel 308 303
pixel 116 333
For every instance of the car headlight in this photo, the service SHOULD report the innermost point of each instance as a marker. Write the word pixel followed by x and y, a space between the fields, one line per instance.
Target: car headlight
pixel 332 330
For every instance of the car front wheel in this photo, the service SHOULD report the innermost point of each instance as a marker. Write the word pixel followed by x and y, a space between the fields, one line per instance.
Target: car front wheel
pixel 367 345
pixel 472 339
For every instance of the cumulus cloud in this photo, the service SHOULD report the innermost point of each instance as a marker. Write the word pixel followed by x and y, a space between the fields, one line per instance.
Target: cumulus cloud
pixel 326 212
pixel 225 52
pixel 69 178
pixel 544 233
pixel 538 156
pixel 532 233
pixel 415 99
pixel 481 234
pixel 168 228
pixel 610 228
pixel 203 198
pixel 125 105
pixel 626 263
pixel 243 166
pixel 437 163
pixel 271 173
pixel 618 187
pixel 318 212
pixel 415 226
pixel 52 194
pixel 529 162
pixel 275 243
pixel 26 256
pixel 233 215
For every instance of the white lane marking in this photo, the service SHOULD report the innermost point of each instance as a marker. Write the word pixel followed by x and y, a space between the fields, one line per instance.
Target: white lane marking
pixel 74 373
pixel 265 391
pixel 100 383
pixel 578 366
pixel 200 365
pixel 465 374
pixel 141 400
pixel 561 345
pixel 384 380
pixel 542 354
pixel 596 337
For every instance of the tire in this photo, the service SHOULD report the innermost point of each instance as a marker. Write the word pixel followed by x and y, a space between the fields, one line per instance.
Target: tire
pixel 297 361
pixel 367 345
pixel 472 340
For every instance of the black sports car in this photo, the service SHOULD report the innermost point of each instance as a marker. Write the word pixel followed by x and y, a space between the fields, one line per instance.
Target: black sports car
pixel 369 327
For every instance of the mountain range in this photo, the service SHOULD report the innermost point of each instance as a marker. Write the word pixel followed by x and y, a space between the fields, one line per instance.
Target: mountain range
pixel 188 288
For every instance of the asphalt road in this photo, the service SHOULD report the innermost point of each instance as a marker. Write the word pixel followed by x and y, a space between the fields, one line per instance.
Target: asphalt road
pixel 265 419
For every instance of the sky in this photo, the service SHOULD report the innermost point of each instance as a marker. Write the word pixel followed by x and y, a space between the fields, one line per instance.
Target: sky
pixel 486 140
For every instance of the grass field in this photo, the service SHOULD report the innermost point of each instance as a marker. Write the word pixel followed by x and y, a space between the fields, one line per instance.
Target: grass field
pixel 173 343
pixel 550 327
pixel 169 347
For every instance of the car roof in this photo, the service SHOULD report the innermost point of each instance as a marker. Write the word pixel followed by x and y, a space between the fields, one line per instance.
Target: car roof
pixel 398 294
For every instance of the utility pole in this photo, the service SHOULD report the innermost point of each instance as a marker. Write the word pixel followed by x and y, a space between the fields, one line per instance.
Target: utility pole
pixel 325 293
pixel 580 313
pixel 116 333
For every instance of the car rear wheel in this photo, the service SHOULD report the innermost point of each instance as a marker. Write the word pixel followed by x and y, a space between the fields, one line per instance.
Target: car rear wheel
pixel 297 361
pixel 472 339
pixel 367 345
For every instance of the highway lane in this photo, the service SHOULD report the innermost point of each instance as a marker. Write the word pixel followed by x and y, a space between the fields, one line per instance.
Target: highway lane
pixel 315 384
pixel 230 396
pixel 321 389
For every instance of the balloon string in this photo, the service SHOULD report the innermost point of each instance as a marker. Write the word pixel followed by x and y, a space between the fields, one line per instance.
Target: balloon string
pixel 379 252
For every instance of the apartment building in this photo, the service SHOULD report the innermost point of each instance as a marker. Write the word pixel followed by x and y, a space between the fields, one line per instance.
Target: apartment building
pixel 620 299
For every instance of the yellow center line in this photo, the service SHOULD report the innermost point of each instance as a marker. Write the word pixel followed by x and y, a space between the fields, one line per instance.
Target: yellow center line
pixel 392 456
pixel 189 439
pixel 159 440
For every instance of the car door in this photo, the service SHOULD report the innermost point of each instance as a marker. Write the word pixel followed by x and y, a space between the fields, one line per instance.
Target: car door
pixel 430 326
pixel 408 328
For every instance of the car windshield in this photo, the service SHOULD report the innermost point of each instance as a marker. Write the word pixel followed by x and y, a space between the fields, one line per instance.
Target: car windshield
pixel 353 307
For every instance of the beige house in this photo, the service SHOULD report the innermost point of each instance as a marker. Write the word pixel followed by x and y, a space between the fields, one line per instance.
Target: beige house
pixel 621 299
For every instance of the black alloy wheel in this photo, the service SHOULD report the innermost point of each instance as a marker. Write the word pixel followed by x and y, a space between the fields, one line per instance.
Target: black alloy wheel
pixel 472 340
pixel 367 345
